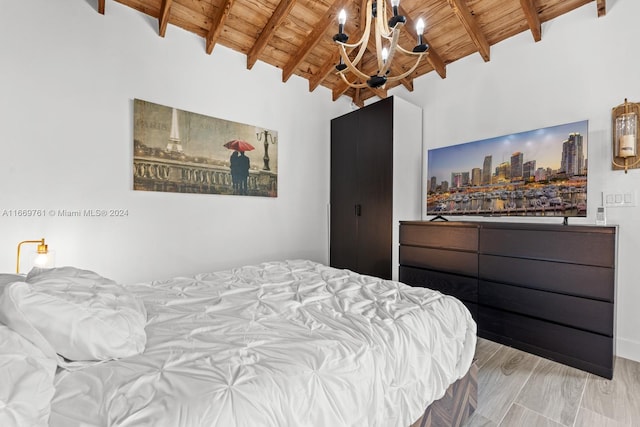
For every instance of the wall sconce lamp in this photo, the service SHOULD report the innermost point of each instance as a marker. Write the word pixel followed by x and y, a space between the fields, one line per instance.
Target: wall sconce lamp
pixel 626 146
pixel 43 256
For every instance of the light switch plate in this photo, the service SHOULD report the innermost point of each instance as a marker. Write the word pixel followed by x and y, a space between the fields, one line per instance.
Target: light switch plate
pixel 619 199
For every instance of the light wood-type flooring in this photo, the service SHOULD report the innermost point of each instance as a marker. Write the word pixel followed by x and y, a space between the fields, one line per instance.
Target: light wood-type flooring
pixel 518 389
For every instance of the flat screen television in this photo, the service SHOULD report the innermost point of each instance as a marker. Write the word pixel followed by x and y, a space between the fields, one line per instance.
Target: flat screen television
pixel 541 172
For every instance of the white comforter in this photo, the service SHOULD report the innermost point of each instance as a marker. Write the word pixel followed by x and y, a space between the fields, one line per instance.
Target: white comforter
pixel 279 344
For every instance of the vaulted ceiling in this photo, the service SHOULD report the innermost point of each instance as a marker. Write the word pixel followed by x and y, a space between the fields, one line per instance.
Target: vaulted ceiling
pixel 296 35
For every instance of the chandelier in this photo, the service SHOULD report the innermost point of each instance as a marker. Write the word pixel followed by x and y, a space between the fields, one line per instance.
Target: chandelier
pixel 387 35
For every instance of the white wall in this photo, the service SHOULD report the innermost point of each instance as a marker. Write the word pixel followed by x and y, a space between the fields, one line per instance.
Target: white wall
pixel 68 77
pixel 581 69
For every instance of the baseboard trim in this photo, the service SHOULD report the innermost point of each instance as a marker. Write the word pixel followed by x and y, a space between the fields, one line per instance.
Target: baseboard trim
pixel 629 349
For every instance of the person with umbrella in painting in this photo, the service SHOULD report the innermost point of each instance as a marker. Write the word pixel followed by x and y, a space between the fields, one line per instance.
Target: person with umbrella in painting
pixel 239 164
pixel 243 172
pixel 233 165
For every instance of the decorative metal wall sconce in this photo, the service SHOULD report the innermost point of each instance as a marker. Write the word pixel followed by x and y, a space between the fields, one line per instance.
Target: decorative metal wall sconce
pixel 626 139
pixel 44 257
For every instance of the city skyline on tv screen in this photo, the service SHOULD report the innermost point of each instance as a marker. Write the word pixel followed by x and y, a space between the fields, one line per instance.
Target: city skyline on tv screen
pixel 541 172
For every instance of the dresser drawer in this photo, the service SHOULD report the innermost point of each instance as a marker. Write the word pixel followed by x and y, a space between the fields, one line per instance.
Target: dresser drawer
pixel 461 287
pixel 587 314
pixel 581 349
pixel 579 247
pixel 456 262
pixel 573 279
pixel 457 237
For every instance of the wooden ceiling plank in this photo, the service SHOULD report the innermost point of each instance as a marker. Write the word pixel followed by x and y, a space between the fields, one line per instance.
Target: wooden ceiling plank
pixel 101 6
pixel 602 8
pixel 463 13
pixel 460 27
pixel 218 24
pixel 313 39
pixel 279 15
pixel 163 18
pixel 531 13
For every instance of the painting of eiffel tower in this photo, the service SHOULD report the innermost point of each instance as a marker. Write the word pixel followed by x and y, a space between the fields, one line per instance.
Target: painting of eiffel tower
pixel 183 152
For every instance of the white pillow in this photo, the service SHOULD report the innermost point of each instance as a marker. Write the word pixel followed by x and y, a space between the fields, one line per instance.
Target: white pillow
pixel 75 313
pixel 26 388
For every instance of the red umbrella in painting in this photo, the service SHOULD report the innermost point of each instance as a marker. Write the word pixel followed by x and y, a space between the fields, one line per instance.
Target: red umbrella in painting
pixel 239 145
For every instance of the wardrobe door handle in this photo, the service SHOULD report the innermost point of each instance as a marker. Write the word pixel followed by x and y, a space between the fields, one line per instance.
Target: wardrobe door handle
pixel 358 210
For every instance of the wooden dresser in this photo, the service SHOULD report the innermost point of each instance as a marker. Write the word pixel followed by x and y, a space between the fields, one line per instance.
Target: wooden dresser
pixel 544 288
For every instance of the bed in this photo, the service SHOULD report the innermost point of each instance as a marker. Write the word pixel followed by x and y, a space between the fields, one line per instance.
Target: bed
pixel 291 343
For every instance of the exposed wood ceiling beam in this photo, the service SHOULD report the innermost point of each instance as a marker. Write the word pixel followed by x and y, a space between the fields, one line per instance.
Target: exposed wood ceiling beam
pixel 602 7
pixel 339 88
pixel 381 93
pixel 101 6
pixel 313 39
pixel 531 13
pixel 436 62
pixel 357 99
pixel 218 24
pixel 365 94
pixel 279 15
pixel 327 67
pixel 463 13
pixel 163 18
pixel 407 83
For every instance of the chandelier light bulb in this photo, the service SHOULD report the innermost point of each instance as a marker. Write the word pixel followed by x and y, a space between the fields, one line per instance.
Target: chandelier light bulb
pixel 420 26
pixel 341 37
pixel 342 17
pixel 385 54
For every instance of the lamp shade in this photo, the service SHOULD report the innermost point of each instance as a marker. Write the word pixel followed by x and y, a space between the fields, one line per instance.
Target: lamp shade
pixel 625 138
pixel 41 256
pixel 44 260
pixel 626 133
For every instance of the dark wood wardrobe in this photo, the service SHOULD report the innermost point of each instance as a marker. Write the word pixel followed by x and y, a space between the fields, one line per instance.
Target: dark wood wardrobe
pixel 374 150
